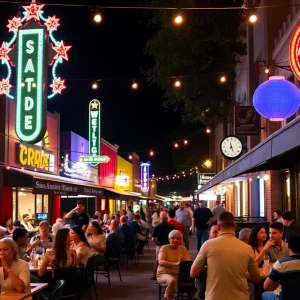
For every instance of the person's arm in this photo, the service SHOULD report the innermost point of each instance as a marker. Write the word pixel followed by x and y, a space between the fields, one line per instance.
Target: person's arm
pixel 43 267
pixel 259 258
pixel 270 285
pixel 78 256
pixel 272 282
pixel 253 271
pixel 32 245
pixel 18 282
pixel 199 262
pixel 154 237
pixel 69 215
pixel 212 217
pixel 193 225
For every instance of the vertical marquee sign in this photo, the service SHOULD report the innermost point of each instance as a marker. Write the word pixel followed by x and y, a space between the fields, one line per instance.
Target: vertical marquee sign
pixel 94 158
pixel 34 45
pixel 145 177
pixel 31 102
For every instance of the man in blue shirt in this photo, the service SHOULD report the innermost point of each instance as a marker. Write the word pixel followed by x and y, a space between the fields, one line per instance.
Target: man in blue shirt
pixel 78 216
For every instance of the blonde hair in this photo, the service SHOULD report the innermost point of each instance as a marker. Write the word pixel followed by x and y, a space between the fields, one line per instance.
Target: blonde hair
pixel 174 233
pixel 12 245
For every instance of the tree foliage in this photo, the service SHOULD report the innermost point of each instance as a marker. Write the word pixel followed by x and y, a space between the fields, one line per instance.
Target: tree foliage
pixel 197 52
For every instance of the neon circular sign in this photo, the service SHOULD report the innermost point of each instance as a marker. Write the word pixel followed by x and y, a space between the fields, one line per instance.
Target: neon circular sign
pixel 295 52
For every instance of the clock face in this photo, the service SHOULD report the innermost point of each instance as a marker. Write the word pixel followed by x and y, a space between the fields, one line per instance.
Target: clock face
pixel 231 147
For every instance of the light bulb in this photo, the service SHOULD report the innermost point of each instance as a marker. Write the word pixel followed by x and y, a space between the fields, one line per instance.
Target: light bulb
pixel 22 84
pixel 95 85
pixel 267 70
pixel 177 83
pixel 222 79
pixel 34 85
pixel 185 142
pixel 130 156
pixel 151 153
pixel 208 163
pixel 176 145
pixel 208 130
pixel 134 86
pixel 178 20
pixel 253 18
pixel 97 18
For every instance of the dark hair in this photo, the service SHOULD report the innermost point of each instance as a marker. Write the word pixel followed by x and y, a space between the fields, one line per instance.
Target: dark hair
pixel 96 217
pixel 19 233
pixel 278 212
pixel 97 225
pixel 17 223
pixel 287 215
pixel 217 202
pixel 172 213
pixel 118 215
pixel 201 201
pixel 137 217
pixel 80 202
pixel 253 241
pixel 81 234
pixel 25 215
pixel 293 240
pixel 226 219
pixel 129 208
pixel 5 220
pixel 277 225
pixel 59 247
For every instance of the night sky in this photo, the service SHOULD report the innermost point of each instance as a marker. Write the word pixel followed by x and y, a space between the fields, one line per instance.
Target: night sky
pixel 114 51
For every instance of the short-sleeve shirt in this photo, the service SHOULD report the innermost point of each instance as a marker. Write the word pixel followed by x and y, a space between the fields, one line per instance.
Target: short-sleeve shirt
pixel 277 253
pixel 161 232
pixel 228 260
pixel 41 246
pixel 135 226
pixel 176 224
pixel 79 219
pixel 183 216
pixel 99 240
pixel 217 210
pixel 171 256
pixel 202 216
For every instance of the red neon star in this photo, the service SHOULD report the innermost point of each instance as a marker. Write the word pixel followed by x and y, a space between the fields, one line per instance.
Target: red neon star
pixel 52 23
pixel 4 52
pixel 33 11
pixel 57 85
pixel 61 51
pixel 94 104
pixel 4 86
pixel 14 24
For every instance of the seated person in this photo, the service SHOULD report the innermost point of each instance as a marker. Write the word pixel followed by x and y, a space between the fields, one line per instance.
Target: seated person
pixel 20 236
pixel 17 224
pixel 169 258
pixel 60 256
pixel 138 232
pixel 80 245
pixel 97 242
pixel 8 225
pixel 289 264
pixel 244 235
pixel 59 223
pixel 41 241
pixel 114 241
pixel 2 232
pixel 129 236
pixel 15 271
pixel 27 225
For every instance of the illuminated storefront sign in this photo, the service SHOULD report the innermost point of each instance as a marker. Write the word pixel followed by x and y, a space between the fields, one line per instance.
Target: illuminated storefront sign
pixel 295 52
pixel 35 158
pixel 204 178
pixel 94 136
pixel 145 177
pixel 31 104
pixel 122 180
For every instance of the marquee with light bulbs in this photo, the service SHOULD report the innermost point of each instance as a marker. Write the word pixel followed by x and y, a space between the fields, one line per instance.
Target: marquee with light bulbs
pixel 30 52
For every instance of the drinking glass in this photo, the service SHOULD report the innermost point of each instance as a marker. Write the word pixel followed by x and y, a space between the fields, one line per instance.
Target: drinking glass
pixel 266 260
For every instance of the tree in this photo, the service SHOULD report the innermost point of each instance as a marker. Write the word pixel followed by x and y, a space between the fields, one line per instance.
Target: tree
pixel 197 52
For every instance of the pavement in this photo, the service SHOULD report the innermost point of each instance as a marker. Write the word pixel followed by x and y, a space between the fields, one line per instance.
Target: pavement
pixel 136 284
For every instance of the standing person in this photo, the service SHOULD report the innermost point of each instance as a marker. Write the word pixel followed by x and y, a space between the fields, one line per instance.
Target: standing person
pixel 172 221
pixel 183 216
pixel 78 216
pixel 289 222
pixel 217 210
pixel 130 213
pixel 277 216
pixel 189 208
pixel 201 219
pixel 155 217
pixel 230 263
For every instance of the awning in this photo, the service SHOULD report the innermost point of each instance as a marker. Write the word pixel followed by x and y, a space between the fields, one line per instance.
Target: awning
pixel 49 184
pixel 123 195
pixel 279 151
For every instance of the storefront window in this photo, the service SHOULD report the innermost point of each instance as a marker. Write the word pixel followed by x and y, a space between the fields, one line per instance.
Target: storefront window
pixel 102 204
pixel 26 203
pixel 118 208
pixel 261 197
pixel 39 203
pixel 46 204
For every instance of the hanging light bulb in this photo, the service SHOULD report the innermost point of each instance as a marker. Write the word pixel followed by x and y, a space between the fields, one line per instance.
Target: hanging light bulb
pixel 177 83
pixel 178 19
pixel 134 86
pixel 253 18
pixel 176 145
pixel 267 70
pixel 223 79
pixel 94 85
pixel 151 153
pixel 207 163
pixel 130 157
pixel 98 17
pixel 185 142
pixel 208 130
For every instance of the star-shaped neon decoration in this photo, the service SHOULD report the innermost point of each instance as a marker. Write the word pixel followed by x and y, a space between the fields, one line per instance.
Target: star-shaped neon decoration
pixel 61 51
pixel 4 52
pixel 14 24
pixel 57 85
pixel 33 11
pixel 52 23
pixel 4 86
pixel 94 104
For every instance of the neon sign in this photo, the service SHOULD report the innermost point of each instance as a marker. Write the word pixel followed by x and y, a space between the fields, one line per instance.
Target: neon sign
pixel 295 52
pixel 94 136
pixel 31 106
pixel 145 177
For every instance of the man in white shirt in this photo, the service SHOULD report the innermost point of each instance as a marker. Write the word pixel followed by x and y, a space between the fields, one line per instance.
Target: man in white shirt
pixel 25 222
pixel 230 262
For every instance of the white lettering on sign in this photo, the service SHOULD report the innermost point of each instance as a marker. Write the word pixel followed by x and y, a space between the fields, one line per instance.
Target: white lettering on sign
pixel 29 45
pixel 28 122
pixel 29 66
pixel 29 82
pixel 28 103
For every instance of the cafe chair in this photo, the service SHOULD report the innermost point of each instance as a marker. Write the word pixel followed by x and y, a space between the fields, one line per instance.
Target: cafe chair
pixel 290 286
pixel 89 278
pixel 55 293
pixel 185 282
pixel 129 255
pixel 147 245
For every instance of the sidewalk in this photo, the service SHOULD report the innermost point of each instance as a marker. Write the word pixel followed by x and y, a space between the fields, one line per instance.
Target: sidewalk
pixel 136 283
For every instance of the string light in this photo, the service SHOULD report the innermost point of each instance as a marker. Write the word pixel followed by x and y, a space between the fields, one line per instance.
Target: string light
pixel 151 153
pixel 134 86
pixel 176 145
pixel 223 79
pixel 185 142
pixel 208 164
pixel 94 85
pixel 177 84
pixel 97 18
pixel 208 130
pixel 267 70
pixel 130 157
pixel 253 18
pixel 178 20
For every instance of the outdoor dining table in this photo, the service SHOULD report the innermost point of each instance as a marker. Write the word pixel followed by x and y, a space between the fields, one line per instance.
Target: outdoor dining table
pixel 14 295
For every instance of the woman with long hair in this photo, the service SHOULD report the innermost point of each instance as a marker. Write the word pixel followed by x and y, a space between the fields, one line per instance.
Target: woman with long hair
pixel 97 241
pixel 8 224
pixel 80 245
pixel 258 243
pixel 60 256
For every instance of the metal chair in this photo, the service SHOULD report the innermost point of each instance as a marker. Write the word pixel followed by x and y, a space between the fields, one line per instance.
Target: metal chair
pixel 56 291
pixel 129 255
pixel 290 286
